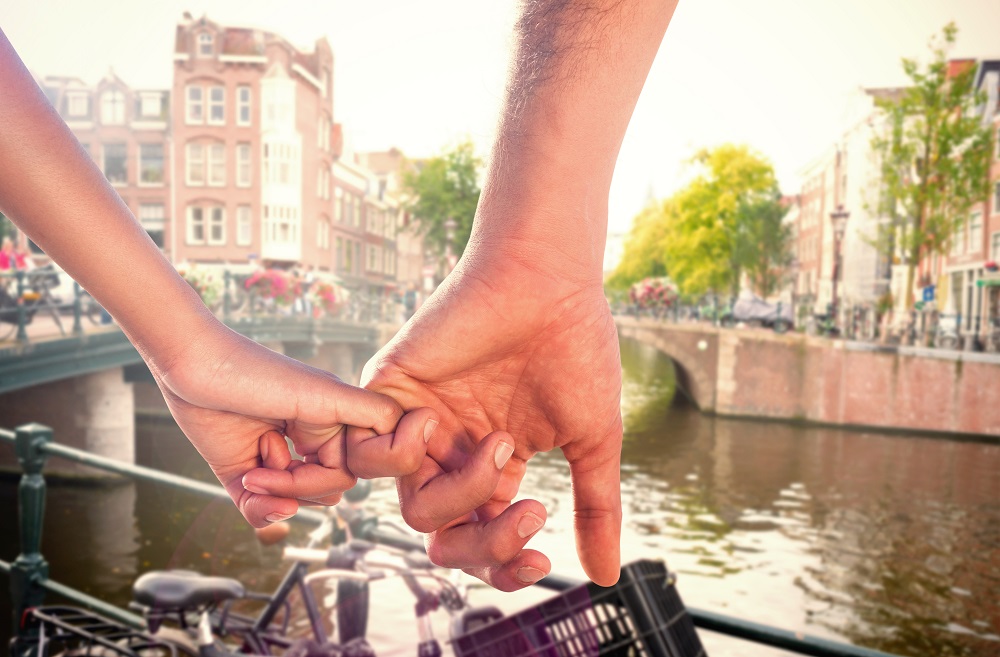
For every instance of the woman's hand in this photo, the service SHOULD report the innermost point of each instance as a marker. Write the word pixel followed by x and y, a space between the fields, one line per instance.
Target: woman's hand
pixel 236 400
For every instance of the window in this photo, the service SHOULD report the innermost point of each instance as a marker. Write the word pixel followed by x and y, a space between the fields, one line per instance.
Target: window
pixel 77 104
pixel 357 256
pixel 244 226
pixel 217 165
pixel 996 197
pixel 348 262
pixel 995 247
pixel 340 252
pixel 217 225
pixel 150 164
pixel 976 232
pixel 243 105
pixel 195 225
pixel 195 164
pixel 958 242
pixel 115 169
pixel 217 105
pixel 153 220
pixel 195 104
pixel 372 258
pixel 323 233
pixel 113 107
pixel 243 165
pixel 151 105
pixel 205 43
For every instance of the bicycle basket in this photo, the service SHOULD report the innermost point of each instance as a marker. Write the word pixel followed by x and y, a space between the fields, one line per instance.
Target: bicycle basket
pixel 640 616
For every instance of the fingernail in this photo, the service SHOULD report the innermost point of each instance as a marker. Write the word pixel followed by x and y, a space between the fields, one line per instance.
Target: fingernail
pixel 278 517
pixel 529 575
pixel 429 429
pixel 528 525
pixel 504 450
pixel 255 489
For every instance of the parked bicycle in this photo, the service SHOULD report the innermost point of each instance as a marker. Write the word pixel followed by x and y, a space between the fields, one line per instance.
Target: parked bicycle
pixel 363 551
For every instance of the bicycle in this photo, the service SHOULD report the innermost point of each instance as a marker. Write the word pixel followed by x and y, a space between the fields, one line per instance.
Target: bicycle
pixel 191 601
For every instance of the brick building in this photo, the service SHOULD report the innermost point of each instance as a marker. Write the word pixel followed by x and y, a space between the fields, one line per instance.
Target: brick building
pixel 254 149
pixel 127 132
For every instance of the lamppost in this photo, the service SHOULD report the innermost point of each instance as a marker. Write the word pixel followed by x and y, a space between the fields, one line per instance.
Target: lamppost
pixel 449 234
pixel 794 268
pixel 839 220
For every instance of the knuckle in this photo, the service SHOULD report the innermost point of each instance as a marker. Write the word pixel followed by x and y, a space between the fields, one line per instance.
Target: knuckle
pixel 416 518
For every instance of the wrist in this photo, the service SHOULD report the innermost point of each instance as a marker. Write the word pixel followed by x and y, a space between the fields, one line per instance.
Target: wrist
pixel 544 219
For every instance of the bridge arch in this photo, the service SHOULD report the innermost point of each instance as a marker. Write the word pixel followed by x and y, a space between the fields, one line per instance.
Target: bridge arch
pixel 693 349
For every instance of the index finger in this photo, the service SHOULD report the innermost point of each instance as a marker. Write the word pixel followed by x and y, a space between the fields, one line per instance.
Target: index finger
pixel 597 511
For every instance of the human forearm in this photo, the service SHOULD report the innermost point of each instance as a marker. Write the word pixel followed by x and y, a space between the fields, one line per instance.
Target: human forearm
pixel 53 191
pixel 576 76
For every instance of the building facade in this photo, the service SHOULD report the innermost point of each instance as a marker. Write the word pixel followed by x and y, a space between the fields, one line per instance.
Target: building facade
pixel 127 133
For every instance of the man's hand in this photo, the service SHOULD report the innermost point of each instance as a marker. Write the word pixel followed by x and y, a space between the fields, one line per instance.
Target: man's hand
pixel 236 400
pixel 507 354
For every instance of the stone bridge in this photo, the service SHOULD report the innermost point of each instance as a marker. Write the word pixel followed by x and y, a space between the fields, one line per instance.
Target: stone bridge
pixel 88 387
pixel 756 373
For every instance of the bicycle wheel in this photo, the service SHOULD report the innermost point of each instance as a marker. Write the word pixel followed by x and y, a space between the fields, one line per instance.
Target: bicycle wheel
pixel 947 342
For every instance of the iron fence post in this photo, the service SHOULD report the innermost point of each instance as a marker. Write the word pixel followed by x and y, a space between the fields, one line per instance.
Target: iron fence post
pixel 77 311
pixel 226 280
pixel 30 569
pixel 22 315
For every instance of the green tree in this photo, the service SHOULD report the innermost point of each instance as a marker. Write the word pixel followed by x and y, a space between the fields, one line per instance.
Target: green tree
pixel 934 157
pixel 725 222
pixel 643 253
pixel 764 251
pixel 441 188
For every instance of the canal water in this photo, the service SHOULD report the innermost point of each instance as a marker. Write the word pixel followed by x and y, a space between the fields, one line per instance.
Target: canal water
pixel 886 541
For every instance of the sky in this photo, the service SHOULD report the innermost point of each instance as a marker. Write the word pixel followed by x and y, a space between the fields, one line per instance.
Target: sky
pixel 777 75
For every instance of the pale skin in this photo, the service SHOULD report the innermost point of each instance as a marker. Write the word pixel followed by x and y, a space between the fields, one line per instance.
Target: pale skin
pixel 518 346
pixel 233 398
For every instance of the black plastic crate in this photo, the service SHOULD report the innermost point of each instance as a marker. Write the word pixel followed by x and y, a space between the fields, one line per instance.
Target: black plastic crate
pixel 640 616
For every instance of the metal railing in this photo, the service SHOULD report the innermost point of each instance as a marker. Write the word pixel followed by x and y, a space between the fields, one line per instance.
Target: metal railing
pixel 43 292
pixel 29 573
pixel 861 323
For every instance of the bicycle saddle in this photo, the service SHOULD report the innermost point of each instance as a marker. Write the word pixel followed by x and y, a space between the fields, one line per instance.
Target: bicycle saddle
pixel 172 589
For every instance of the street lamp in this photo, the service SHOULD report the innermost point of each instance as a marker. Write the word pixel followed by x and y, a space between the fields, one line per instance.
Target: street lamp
pixel 449 234
pixel 839 220
pixel 794 267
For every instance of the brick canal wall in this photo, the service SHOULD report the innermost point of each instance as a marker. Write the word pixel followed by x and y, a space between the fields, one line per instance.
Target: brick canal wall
pixel 755 373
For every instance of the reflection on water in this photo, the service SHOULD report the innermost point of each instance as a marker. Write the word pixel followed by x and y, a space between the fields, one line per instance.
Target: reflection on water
pixel 892 542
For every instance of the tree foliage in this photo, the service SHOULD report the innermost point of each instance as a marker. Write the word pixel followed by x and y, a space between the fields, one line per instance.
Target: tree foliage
pixel 725 222
pixel 934 156
pixel 441 188
pixel 643 253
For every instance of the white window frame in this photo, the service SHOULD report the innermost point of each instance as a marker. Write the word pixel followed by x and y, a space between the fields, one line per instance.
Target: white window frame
pixel 214 104
pixel 216 219
pixel 149 101
pixel 244 172
pixel 191 224
pixel 191 104
pixel 244 225
pixel 163 168
pixel 193 164
pixel 244 104
pixel 205 39
pixel 104 162
pixel 113 107
pixel 975 232
pixel 77 104
pixel 995 246
pixel 216 163
pixel 152 216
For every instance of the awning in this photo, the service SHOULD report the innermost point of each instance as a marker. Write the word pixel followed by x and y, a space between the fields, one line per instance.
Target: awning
pixel 989 279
